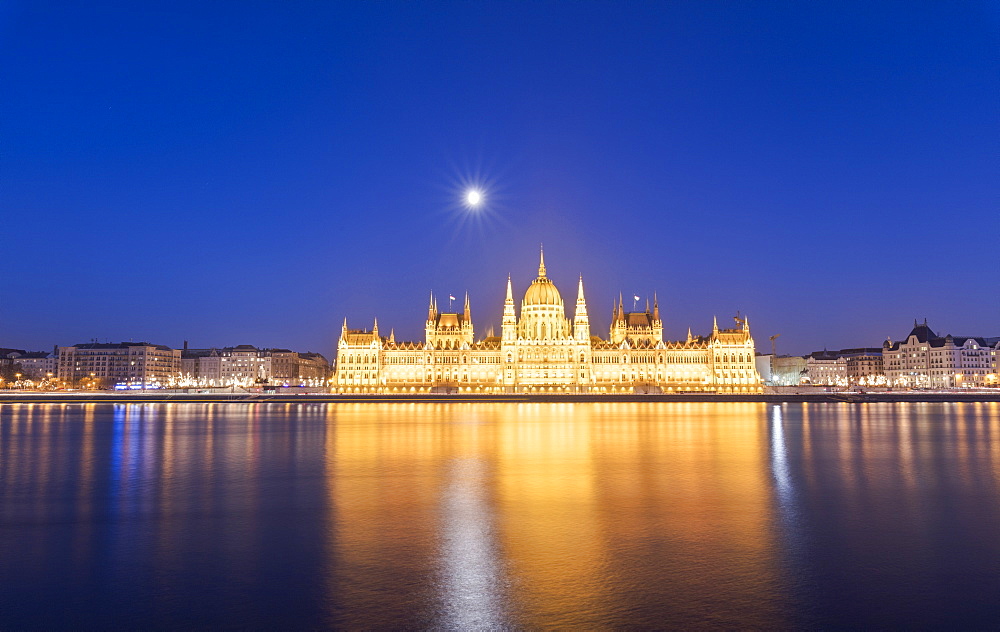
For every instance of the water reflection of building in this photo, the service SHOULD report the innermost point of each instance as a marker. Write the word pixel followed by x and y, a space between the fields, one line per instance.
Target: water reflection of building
pixel 541 350
pixel 551 515
pixel 927 360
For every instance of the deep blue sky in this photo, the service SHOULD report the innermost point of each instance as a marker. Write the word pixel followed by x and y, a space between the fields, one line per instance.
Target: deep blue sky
pixel 257 172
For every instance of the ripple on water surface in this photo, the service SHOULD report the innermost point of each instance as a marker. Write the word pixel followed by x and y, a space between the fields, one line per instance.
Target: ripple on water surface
pixel 472 516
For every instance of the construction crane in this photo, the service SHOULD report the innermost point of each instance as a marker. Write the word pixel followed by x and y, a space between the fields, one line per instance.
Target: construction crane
pixel 774 352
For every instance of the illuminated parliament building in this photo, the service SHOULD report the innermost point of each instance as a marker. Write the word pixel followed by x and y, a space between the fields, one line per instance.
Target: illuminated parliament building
pixel 540 350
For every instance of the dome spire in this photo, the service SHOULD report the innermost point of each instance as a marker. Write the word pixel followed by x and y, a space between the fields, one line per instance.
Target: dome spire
pixel 541 260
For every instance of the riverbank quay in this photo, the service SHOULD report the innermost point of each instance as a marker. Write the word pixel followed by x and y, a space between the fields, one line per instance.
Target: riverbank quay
pixel 161 397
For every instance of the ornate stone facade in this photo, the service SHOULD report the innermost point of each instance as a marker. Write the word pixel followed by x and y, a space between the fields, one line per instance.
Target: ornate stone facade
pixel 540 350
pixel 927 360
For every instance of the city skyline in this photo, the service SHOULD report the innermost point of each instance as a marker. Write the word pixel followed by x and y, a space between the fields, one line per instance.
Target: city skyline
pixel 254 177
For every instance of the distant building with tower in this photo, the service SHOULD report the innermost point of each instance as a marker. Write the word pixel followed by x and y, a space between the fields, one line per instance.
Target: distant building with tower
pixel 540 350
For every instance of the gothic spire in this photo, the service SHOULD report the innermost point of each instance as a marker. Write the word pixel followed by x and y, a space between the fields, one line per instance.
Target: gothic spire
pixel 541 261
pixel 509 323
pixel 581 322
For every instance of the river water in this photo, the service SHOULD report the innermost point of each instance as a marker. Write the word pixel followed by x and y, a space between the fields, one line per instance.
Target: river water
pixel 493 516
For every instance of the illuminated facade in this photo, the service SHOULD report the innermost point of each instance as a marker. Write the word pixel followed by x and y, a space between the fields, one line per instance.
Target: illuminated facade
pixel 32 365
pixel 109 364
pixel 846 367
pixel 246 365
pixel 541 350
pixel 926 360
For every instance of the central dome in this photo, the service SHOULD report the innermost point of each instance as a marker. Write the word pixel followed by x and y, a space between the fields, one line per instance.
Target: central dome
pixel 542 291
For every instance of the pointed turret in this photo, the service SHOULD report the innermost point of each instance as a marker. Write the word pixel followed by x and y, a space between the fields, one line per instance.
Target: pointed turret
pixel 375 327
pixel 656 308
pixel 508 326
pixel 715 325
pixel 392 336
pixel 343 330
pixel 468 311
pixel 541 261
pixel 581 321
pixel 690 337
pixel 430 308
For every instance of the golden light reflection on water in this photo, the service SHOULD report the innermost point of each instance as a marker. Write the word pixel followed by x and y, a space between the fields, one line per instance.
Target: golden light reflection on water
pixel 569 511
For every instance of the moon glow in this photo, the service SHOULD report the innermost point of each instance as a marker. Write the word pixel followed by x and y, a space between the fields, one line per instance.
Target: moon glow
pixel 473 198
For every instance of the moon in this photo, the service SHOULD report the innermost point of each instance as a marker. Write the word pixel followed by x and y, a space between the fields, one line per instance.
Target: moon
pixel 473 198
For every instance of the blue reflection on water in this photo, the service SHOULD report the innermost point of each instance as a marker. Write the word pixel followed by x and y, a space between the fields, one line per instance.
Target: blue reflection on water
pixel 117 441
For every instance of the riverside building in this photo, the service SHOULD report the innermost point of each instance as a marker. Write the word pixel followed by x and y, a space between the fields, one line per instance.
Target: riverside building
pixel 847 367
pixel 540 350
pixel 927 360
pixel 103 365
pixel 246 365
pixel 31 365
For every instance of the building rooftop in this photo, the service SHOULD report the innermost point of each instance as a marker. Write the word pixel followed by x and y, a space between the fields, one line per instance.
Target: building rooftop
pixel 120 345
